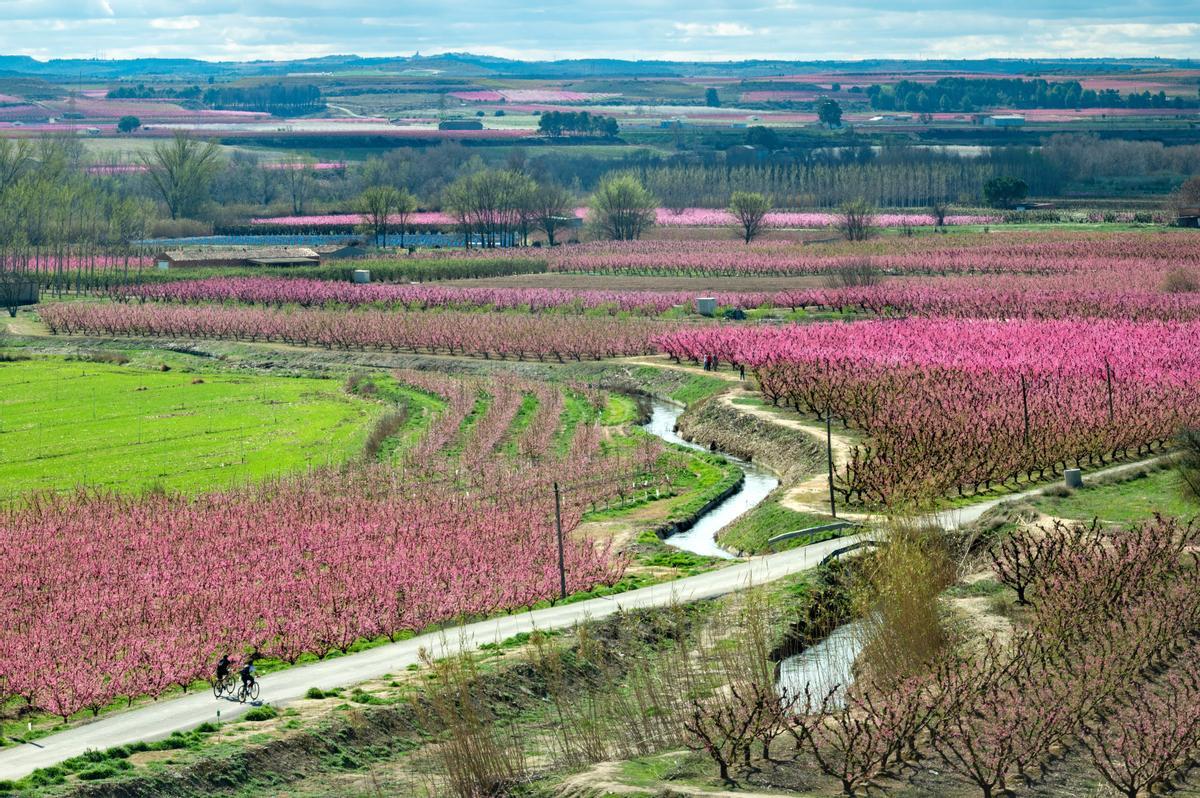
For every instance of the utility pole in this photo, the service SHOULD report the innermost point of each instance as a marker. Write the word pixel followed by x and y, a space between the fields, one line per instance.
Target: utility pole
pixel 1108 377
pixel 829 459
pixel 562 565
pixel 1025 406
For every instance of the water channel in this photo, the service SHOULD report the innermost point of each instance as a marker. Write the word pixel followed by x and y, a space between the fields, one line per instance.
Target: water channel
pixel 701 538
pixel 822 666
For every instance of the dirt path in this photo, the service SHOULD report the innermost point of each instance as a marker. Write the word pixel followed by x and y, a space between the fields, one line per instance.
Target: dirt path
pixel 604 779
pixel 811 495
pixel 24 326
pixel 670 365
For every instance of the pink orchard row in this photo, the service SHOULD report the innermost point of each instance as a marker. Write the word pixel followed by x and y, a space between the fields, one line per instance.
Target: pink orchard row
pixel 315 293
pixel 943 403
pixel 1104 295
pixel 519 336
pixel 103 597
pixel 507 393
pixel 1003 255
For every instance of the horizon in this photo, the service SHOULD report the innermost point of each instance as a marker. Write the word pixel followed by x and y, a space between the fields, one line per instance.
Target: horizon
pixel 708 32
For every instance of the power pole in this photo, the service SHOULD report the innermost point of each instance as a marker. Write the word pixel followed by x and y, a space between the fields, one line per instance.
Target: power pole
pixel 562 565
pixel 829 459
pixel 1025 406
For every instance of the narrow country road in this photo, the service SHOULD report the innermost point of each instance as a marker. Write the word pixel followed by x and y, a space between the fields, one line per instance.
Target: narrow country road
pixel 180 714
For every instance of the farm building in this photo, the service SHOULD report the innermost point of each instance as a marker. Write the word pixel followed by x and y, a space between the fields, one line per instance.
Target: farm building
pixel 1004 120
pixel 460 124
pixel 237 256
pixel 1188 217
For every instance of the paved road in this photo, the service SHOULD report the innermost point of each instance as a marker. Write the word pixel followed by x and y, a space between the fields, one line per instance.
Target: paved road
pixel 158 720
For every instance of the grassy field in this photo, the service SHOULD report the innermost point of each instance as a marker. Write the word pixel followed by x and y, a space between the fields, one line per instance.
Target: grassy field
pixel 751 532
pixel 68 423
pixel 1124 502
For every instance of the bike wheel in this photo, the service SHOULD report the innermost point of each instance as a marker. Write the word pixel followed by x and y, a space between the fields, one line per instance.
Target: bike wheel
pixel 254 690
pixel 218 688
pixel 242 693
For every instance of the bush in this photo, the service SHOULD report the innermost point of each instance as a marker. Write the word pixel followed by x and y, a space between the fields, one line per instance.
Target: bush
pixel 315 693
pixel 180 228
pixel 1187 464
pixel 1180 281
pixel 258 714
pixel 97 772
pixel 115 358
pixel 857 273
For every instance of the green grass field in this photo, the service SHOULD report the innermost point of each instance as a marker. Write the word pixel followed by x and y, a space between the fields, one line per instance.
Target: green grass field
pixel 76 423
pixel 1124 502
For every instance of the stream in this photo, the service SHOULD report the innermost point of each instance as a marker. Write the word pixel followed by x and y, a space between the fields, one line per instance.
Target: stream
pixel 824 665
pixel 700 538
pixel 821 666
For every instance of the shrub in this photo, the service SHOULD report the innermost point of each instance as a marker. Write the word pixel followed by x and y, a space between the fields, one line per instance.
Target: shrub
pixel 97 772
pixel 1180 281
pixel 315 693
pixel 180 228
pixel 1187 462
pixel 855 274
pixel 258 714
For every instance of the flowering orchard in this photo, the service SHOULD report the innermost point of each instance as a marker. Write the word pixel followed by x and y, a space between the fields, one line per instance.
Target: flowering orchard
pixel 933 255
pixel 1106 663
pixel 962 405
pixel 103 596
pixel 519 336
pixel 1105 294
pixel 317 293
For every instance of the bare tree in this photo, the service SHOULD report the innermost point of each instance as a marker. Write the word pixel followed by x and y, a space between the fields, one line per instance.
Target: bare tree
pixel 750 209
pixel 182 170
pixel 377 204
pixel 856 220
pixel 553 208
pixel 298 178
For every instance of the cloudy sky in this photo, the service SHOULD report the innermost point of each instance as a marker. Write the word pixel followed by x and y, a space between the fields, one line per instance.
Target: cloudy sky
pixel 695 29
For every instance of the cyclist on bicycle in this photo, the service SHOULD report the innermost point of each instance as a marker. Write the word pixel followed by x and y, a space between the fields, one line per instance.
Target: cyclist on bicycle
pixel 247 672
pixel 223 667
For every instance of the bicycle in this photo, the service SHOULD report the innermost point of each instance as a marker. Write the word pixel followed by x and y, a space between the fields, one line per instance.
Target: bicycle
pixel 248 692
pixel 223 685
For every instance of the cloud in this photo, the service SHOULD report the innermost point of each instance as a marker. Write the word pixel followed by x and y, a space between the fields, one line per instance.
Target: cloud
pixel 175 23
pixel 720 29
pixel 711 30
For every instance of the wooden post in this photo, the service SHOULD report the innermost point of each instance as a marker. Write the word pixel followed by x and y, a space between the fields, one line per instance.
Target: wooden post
pixel 562 565
pixel 829 459
pixel 1108 378
pixel 1025 406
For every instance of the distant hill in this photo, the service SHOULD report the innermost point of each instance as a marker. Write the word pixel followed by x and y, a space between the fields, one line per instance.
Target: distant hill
pixel 471 65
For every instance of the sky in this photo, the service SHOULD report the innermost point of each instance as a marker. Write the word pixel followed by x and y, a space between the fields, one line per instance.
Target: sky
pixel 700 30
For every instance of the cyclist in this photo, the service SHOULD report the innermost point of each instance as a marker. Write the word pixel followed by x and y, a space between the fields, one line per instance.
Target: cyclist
pixel 223 668
pixel 247 673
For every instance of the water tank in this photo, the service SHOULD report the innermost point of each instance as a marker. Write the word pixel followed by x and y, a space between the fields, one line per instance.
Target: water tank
pixel 706 305
pixel 361 276
pixel 1073 478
